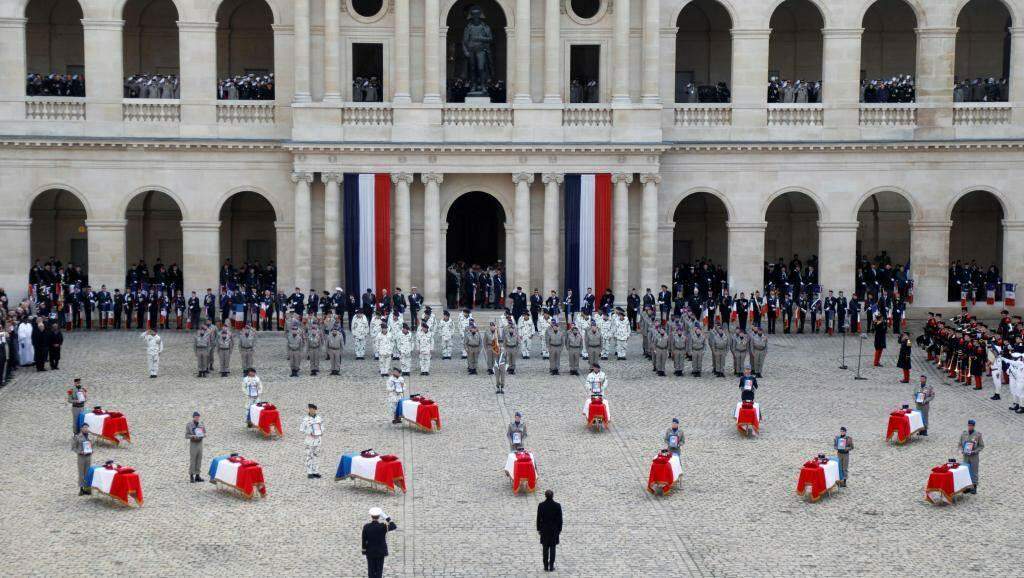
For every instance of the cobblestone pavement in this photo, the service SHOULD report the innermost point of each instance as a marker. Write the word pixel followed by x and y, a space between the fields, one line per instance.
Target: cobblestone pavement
pixel 737 513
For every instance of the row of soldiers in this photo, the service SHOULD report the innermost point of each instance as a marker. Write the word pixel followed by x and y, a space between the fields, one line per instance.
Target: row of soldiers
pixel 684 339
pixel 248 87
pixel 152 86
pixel 896 89
pixel 694 93
pixel 55 85
pixel 971 282
pixel 981 90
pixel 781 90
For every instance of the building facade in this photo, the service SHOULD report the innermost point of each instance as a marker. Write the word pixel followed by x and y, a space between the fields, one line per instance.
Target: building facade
pixel 577 86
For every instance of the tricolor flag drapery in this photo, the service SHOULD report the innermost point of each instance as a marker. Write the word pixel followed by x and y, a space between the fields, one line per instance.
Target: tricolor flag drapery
pixel 588 233
pixel 367 222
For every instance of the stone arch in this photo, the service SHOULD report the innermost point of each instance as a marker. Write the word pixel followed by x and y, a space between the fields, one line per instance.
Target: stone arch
pixel 826 16
pixel 27 210
pixel 889 41
pixel 153 233
pixel 59 219
pixel 54 37
pixel 275 12
pixel 254 238
pixel 729 8
pixel 505 5
pixel 961 4
pixel 1008 212
pixel 703 51
pixel 796 44
pixel 483 251
pixel 885 226
pixel 700 228
pixel 822 208
pixel 983 46
pixel 976 233
pixel 254 51
pixel 920 14
pixel 799 232
pixel 453 195
pixel 123 206
pixel 119 6
pixel 915 209
pixel 219 205
pixel 730 212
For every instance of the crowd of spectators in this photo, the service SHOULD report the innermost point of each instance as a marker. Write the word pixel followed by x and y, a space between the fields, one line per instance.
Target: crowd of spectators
pixel 247 87
pixel 55 85
pixel 782 90
pixel 459 89
pixel 692 93
pixel 367 89
pixel 981 90
pixel 152 86
pixel 896 89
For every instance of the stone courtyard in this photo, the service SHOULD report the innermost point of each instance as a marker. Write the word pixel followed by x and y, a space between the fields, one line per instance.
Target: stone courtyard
pixel 736 514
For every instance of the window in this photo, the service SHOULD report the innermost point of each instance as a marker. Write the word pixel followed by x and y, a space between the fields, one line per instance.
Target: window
pixel 585 9
pixel 367 9
pixel 367 72
pixel 584 73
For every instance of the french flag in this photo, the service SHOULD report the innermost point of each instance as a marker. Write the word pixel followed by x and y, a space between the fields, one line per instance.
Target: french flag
pixel 588 233
pixel 367 222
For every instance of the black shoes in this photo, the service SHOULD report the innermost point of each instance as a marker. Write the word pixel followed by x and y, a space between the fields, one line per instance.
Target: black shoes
pixel 471 371
pixel 199 478
pixel 758 375
pixel 512 372
pixel 405 373
pixel 335 372
pixel 995 397
pixel 678 373
pixel 661 374
pixel 314 372
pixel 424 373
pixel 295 373
pixel 490 372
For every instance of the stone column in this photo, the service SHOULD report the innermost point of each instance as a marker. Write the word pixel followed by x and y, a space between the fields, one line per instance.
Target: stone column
pixel 750 77
pixel 13 70
pixel 284 233
pixel 402 239
pixel 838 241
pixel 284 50
pixel 521 276
pixel 652 53
pixel 649 233
pixel 16 258
pixel 929 261
pixel 106 249
pixel 402 93
pixel 620 236
pixel 552 52
pixel 332 229
pixel 302 44
pixel 840 78
pixel 936 51
pixel 303 230
pixel 746 255
pixel 433 265
pixel 200 244
pixel 522 78
pixel 620 53
pixel 332 53
pixel 198 49
pixel 1017 74
pixel 1013 252
pixel 552 226
pixel 432 53
pixel 104 86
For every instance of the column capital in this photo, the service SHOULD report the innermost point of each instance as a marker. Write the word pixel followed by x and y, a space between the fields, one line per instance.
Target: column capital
pixel 1009 225
pixel 557 178
pixel 838 226
pixel 917 225
pixel 947 32
pixel 650 178
pixel 522 178
pixel 622 178
pixel 197 26
pixel 195 225
pixel 849 33
pixel 1016 30
pixel 13 22
pixel 401 178
pixel 331 177
pixel 106 224
pixel 15 224
pixel 300 176
pixel 283 28
pixel 751 33
pixel 747 226
pixel 284 226
pixel 102 24
pixel 436 178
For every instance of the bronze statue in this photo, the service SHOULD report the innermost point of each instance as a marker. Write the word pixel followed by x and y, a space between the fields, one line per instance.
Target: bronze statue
pixel 477 41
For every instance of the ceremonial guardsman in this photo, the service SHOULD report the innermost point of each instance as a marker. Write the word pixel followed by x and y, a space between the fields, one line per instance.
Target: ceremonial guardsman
pixel 335 341
pixel 489 335
pixel 210 304
pixel 678 346
pixel 425 345
pixel 81 444
pixel 573 347
pixel 202 347
pixel 621 333
pixel 294 341
pixel 247 345
pixel 697 344
pixel 405 343
pixel 597 381
pixel 501 357
pixel 971 444
pixel 526 332
pixel 511 342
pixel 674 438
pixel 253 388
pixel 516 432
pixel 446 329
pixel 758 350
pixel 661 343
pixel 385 346
pixel 748 385
pixel 313 427
pixel 396 391
pixel 314 343
pixel 462 328
pixel 922 401
pixel 543 324
pixel 606 325
pixel 225 343
pixel 77 396
pixel 843 445
pixel 360 330
pixel 740 346
pixel 471 343
pixel 195 433
pixel 554 340
pixel 154 347
pixel 593 341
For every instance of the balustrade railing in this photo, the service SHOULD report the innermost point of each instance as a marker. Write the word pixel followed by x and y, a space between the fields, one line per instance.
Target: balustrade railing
pixel 703 114
pixel 246 112
pixel 981 113
pixel 54 108
pixel 587 115
pixel 884 114
pixel 477 115
pixel 369 114
pixel 796 114
pixel 151 110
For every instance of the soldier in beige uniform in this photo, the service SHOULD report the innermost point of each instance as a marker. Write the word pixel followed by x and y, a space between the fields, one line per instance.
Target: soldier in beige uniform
pixel 971 444
pixel 202 347
pixel 758 350
pixel 225 342
pixel 679 346
pixel 740 345
pixel 471 342
pixel 314 341
pixel 246 346
pixel 77 396
pixel 295 340
pixel 660 344
pixel 843 445
pixel 697 344
pixel 595 343
pixel 554 338
pixel 81 444
pixel 512 343
pixel 719 341
pixel 195 433
pixel 573 347
pixel 335 340
pixel 489 335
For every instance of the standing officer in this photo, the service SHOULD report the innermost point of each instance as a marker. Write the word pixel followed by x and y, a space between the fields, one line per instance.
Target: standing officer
pixel 334 341
pixel 511 343
pixel 396 391
pixel 294 341
pixel 415 303
pixel 922 400
pixel 516 432
pixel 500 368
pixel 554 340
pixel 471 345
pixel 661 345
pixel 360 329
pixel 573 347
pixel 314 341
pixel 81 444
pixel 674 438
pixel 678 347
pixel 719 342
pixel 375 543
pixel 404 345
pixel 154 346
pixel 594 342
pixel 313 427
pixel 425 345
pixel 697 344
pixel 971 444
pixel 202 346
pixel 549 526
pixel 740 348
pixel 246 345
pixel 195 432
pixel 77 396
pixel 225 343
pixel 843 444
pixel 536 301
pixel 253 387
pixel 758 349
pixel 489 335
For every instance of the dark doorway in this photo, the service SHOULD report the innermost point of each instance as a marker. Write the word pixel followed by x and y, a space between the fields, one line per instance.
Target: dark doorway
pixel 585 73
pixel 455 61
pixel 476 230
pixel 367 72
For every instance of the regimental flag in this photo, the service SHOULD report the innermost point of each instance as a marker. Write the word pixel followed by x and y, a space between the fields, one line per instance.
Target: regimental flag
pixel 588 233
pixel 1009 294
pixel 367 222
pixel 238 315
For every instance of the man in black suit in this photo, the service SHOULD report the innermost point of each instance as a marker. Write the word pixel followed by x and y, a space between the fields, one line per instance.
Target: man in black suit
pixel 549 526
pixel 375 543
pixel 518 304
pixel 536 302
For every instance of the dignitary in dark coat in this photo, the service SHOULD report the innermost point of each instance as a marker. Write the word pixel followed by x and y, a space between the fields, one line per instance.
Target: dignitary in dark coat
pixel 39 345
pixel 375 543
pixel 879 328
pixel 54 343
pixel 903 362
pixel 549 526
